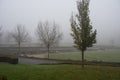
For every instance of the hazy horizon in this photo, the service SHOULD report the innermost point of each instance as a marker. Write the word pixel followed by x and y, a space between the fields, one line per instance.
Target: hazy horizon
pixel 104 15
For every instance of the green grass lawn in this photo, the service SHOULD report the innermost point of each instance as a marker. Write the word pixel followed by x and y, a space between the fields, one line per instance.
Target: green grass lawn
pixel 109 56
pixel 58 72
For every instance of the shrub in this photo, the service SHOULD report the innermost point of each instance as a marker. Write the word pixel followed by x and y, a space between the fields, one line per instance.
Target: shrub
pixel 9 59
pixel 3 78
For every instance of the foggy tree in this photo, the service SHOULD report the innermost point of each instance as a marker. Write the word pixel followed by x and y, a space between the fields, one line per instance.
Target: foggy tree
pixel 112 42
pixel 7 37
pixel 20 35
pixel 81 27
pixel 48 34
pixel 1 33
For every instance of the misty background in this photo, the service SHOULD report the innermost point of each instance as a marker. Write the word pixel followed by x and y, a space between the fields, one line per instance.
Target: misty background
pixel 104 15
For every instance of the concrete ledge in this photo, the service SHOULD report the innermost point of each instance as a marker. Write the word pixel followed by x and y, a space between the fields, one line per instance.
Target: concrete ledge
pixel 32 60
pixel 9 60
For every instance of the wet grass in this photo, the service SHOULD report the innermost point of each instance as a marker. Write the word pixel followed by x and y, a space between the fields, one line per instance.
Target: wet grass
pixel 58 72
pixel 108 56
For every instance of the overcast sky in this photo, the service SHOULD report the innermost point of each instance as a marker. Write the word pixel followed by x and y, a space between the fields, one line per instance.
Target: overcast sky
pixel 104 14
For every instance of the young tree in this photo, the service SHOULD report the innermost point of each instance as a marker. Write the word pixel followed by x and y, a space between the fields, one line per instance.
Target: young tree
pixel 48 34
pixel 82 32
pixel 20 35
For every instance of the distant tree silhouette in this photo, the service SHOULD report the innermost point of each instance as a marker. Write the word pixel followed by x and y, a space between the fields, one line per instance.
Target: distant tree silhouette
pixel 48 34
pixel 1 33
pixel 20 35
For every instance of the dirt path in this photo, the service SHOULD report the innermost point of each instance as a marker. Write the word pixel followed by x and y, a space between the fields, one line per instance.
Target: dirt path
pixel 37 61
pixel 57 61
pixel 37 55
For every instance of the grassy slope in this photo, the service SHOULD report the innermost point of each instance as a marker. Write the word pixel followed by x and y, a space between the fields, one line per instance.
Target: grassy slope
pixel 58 72
pixel 110 56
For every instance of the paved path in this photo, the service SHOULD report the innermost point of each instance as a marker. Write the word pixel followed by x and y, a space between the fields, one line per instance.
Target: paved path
pixel 38 61
pixel 56 61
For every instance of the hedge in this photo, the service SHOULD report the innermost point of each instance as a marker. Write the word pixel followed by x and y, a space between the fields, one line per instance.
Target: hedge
pixel 9 60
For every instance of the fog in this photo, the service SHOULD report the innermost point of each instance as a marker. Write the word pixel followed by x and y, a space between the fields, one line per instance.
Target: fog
pixel 104 15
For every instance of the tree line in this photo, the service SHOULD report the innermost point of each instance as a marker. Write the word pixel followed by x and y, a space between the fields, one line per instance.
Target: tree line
pixel 49 34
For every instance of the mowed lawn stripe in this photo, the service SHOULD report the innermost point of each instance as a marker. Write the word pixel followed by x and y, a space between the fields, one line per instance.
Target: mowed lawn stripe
pixel 107 56
pixel 58 72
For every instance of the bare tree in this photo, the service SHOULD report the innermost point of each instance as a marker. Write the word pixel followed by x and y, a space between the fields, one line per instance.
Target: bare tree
pixel 7 37
pixel 48 34
pixel 1 33
pixel 20 35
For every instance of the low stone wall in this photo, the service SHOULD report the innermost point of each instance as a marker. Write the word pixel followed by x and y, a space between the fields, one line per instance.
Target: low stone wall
pixel 9 60
pixel 59 61
pixel 3 78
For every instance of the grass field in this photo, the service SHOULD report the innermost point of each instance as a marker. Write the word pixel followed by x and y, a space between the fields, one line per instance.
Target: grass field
pixel 58 72
pixel 108 56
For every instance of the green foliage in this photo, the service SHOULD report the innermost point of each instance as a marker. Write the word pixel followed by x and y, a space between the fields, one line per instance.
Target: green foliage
pixel 58 72
pixel 82 32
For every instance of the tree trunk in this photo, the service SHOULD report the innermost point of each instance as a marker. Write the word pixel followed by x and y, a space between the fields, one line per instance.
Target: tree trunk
pixel 82 59
pixel 19 49
pixel 48 52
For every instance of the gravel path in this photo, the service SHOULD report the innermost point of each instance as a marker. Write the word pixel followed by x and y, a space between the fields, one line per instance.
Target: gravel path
pixel 37 61
pixel 56 61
